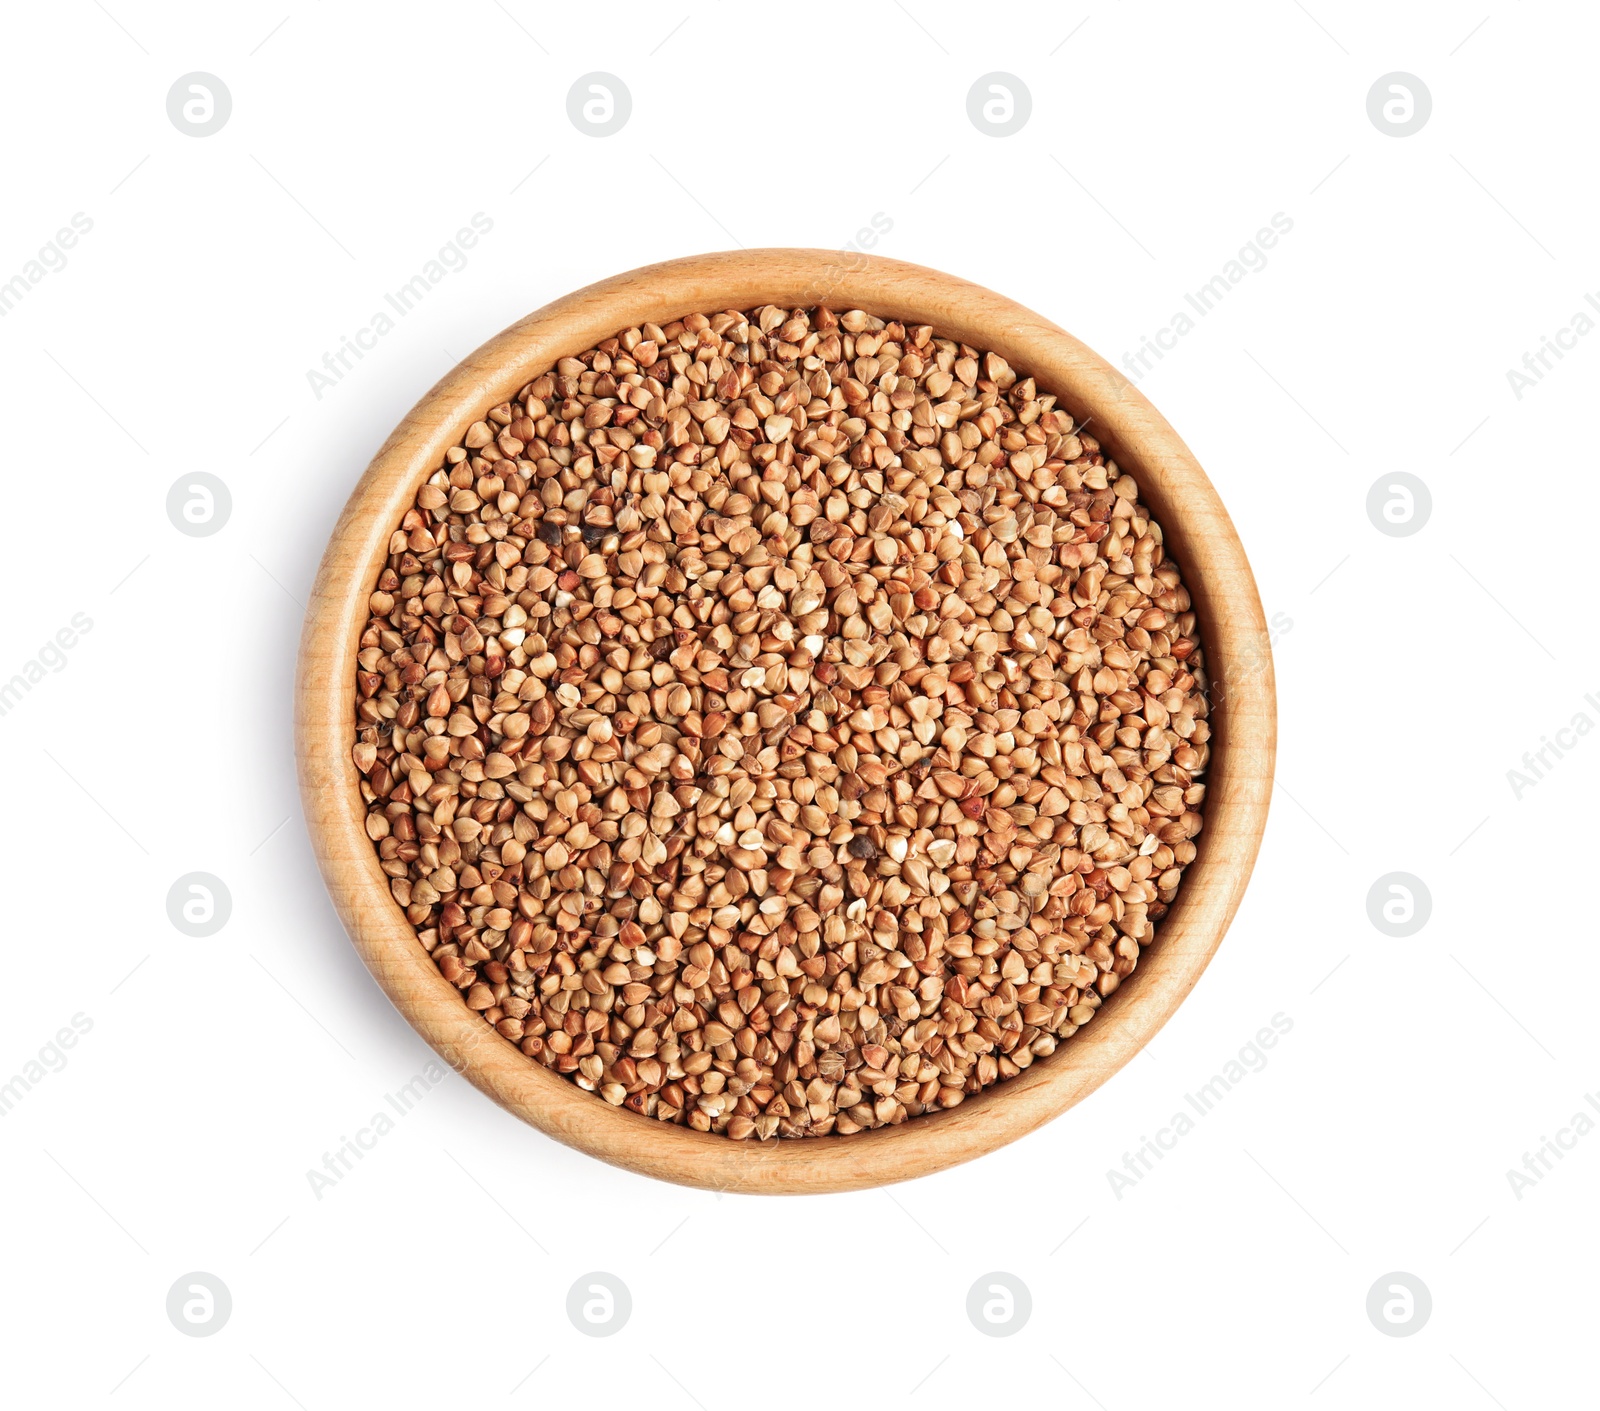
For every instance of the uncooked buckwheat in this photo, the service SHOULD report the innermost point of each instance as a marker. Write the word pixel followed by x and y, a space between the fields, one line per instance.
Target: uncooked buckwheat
pixel 782 722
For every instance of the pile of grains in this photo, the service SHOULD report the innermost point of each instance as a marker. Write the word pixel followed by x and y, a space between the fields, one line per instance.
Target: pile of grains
pixel 781 722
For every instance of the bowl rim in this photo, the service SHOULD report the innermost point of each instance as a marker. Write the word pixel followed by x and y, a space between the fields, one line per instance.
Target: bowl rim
pixel 1202 538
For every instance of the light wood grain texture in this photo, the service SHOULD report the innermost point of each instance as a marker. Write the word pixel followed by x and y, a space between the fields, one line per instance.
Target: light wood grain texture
pixel 1198 532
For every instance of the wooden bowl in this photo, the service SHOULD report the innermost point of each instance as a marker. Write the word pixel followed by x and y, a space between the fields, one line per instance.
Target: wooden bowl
pixel 1198 532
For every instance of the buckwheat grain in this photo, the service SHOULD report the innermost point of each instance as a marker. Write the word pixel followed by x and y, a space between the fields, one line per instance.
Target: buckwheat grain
pixel 782 722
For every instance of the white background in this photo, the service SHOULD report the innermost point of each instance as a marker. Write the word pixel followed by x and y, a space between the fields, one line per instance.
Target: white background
pixel 1416 672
